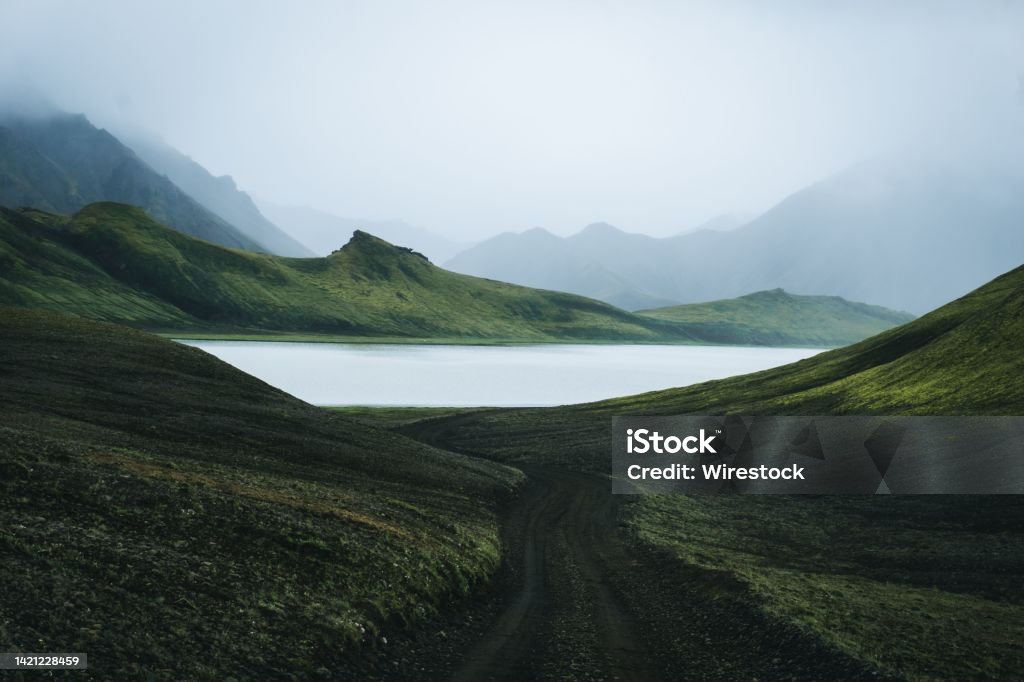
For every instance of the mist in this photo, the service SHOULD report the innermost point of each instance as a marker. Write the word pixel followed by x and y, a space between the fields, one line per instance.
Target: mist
pixel 475 118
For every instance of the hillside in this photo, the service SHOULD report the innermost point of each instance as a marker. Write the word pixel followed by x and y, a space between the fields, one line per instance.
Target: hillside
pixel 61 162
pixel 218 194
pixel 112 262
pixel 324 232
pixel 181 513
pixel 908 233
pixel 779 318
pixel 963 358
pixel 947 568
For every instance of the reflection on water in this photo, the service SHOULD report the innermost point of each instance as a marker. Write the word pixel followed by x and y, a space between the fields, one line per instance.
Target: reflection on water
pixel 364 374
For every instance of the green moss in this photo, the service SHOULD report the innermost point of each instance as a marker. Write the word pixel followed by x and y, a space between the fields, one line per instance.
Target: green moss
pixel 779 318
pixel 111 262
pixel 165 512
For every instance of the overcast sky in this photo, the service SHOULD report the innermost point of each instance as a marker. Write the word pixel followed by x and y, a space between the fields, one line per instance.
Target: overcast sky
pixel 476 117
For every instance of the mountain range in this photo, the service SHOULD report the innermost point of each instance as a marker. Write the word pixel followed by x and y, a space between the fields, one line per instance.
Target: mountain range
pixel 60 162
pixel 113 262
pixel 909 233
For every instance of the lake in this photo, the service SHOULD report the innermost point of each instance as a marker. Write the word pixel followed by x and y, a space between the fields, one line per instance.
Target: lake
pixel 532 375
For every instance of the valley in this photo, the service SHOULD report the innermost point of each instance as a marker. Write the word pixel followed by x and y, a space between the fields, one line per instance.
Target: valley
pixel 511 342
pixel 946 567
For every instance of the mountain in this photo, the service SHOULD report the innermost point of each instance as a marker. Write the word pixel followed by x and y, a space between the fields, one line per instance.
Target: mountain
pixel 165 511
pixel 61 162
pixel 779 318
pixel 571 264
pixel 723 222
pixel 113 262
pixel 325 233
pixel 908 233
pixel 219 194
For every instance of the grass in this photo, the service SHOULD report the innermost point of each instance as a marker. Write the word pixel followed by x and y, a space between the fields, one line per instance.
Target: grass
pixel 928 587
pixel 174 517
pixel 778 318
pixel 111 262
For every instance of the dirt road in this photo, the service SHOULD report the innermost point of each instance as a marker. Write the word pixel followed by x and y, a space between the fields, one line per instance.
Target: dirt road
pixel 583 603
pixel 581 600
pixel 565 621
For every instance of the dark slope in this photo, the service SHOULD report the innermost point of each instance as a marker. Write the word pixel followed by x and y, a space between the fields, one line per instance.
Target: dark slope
pixel 112 262
pixel 777 317
pixel 219 194
pixel 61 162
pixel 176 518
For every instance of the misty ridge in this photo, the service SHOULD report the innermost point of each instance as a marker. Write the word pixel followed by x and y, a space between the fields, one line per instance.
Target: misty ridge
pixel 908 232
pixel 879 178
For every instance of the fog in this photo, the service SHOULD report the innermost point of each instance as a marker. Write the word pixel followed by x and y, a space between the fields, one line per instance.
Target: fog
pixel 471 118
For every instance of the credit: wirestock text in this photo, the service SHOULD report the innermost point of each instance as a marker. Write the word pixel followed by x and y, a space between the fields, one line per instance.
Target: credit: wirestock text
pixel 853 455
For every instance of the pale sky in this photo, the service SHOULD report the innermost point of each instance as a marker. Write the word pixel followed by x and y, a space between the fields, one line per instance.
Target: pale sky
pixel 475 117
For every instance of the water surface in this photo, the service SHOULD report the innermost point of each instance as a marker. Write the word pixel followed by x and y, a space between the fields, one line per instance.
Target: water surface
pixel 429 375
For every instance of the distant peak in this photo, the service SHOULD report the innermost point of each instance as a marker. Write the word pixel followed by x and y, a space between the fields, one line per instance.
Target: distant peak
pixel 601 228
pixel 364 242
pixel 362 234
pixel 226 180
pixel 359 238
pixel 778 292
pixel 538 232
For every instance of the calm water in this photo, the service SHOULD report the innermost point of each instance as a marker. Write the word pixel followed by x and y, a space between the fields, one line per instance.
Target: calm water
pixel 358 374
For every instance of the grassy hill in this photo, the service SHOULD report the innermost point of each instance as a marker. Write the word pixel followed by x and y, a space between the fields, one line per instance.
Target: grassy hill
pixel 963 358
pixel 164 512
pixel 112 262
pixel 776 318
pixel 927 587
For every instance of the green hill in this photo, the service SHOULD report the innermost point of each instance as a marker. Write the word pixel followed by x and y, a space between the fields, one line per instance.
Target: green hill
pixel 163 512
pixel 964 358
pixel 927 587
pixel 112 262
pixel 776 318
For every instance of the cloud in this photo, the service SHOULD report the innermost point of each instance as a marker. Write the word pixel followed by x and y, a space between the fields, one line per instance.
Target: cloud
pixel 479 117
